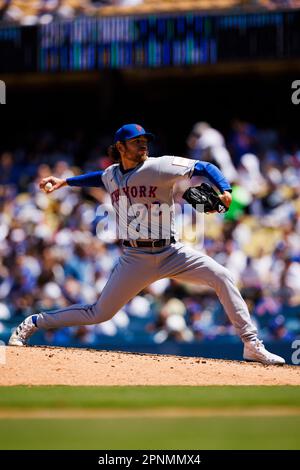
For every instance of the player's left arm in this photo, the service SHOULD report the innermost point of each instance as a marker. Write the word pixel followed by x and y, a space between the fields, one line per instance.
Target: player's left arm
pixel 214 175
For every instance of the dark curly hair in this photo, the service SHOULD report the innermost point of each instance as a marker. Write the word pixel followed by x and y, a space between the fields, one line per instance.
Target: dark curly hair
pixel 114 153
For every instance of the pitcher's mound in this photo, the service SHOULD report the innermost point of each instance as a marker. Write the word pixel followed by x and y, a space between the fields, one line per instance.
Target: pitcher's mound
pixel 68 366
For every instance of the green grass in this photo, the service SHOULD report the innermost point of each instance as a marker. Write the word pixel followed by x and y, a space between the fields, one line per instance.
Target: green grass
pixel 148 397
pixel 153 433
pixel 207 432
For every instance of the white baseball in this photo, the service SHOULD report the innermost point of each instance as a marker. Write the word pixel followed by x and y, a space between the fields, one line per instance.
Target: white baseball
pixel 48 186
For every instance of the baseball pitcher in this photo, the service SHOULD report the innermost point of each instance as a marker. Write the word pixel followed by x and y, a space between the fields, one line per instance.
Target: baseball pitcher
pixel 152 253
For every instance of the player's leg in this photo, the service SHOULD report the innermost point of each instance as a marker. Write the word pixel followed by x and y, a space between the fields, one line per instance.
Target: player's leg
pixel 189 265
pixel 197 268
pixel 133 272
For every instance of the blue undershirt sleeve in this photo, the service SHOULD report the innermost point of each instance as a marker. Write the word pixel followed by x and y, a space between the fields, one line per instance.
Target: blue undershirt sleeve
pixel 92 180
pixel 212 173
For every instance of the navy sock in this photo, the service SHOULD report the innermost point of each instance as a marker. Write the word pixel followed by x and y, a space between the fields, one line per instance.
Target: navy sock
pixel 34 320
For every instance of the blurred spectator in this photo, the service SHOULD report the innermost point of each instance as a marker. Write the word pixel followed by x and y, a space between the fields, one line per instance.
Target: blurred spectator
pixel 249 175
pixel 4 5
pixel 243 139
pixel 206 143
pixel 10 172
pixel 171 323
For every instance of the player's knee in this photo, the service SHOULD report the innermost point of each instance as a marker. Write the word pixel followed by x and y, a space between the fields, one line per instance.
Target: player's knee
pixel 92 314
pixel 101 314
pixel 97 314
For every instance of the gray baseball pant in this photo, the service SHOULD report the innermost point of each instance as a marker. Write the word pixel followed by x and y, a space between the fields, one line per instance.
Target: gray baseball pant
pixel 139 267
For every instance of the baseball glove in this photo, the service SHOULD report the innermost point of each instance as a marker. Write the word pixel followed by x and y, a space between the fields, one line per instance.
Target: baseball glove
pixel 207 197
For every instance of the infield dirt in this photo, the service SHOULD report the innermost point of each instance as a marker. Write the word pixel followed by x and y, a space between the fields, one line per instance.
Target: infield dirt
pixel 68 366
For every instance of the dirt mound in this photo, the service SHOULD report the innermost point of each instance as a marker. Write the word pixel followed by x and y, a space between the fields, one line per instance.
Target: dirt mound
pixel 68 366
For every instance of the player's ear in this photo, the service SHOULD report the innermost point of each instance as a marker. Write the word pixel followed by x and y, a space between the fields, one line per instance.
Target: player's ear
pixel 120 146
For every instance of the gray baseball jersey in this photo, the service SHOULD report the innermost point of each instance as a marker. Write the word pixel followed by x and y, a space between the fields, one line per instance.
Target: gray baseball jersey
pixel 148 191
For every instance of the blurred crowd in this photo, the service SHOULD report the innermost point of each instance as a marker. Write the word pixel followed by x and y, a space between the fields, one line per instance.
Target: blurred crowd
pixel 52 254
pixel 31 12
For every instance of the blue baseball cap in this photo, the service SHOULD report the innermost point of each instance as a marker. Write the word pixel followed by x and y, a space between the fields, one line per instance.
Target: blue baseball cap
pixel 131 131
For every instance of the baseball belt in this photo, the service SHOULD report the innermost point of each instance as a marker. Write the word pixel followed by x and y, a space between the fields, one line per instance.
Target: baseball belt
pixel 148 243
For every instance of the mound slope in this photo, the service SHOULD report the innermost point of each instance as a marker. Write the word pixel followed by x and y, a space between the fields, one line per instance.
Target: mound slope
pixel 69 366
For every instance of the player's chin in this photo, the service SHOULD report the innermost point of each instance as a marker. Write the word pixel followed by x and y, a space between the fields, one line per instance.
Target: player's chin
pixel 143 154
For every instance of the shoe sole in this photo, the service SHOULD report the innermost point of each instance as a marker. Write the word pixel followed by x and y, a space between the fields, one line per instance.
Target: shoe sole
pixel 265 363
pixel 15 342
